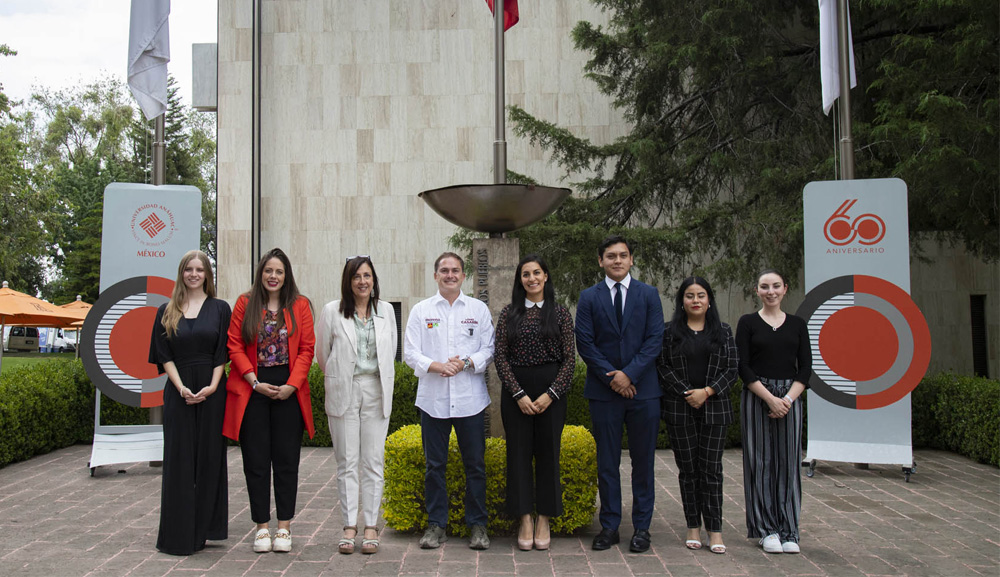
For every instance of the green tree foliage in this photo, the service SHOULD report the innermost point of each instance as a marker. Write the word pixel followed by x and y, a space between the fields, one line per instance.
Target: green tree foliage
pixel 24 211
pixel 723 102
pixel 83 146
pixel 94 135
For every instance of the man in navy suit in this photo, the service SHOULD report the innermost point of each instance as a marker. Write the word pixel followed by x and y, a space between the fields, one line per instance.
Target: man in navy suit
pixel 619 332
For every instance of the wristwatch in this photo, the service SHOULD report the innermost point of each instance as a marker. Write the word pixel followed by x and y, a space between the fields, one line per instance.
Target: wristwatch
pixel 468 364
pixel 255 383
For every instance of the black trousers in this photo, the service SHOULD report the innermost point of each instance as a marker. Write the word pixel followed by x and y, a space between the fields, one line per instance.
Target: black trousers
pixel 533 438
pixel 698 453
pixel 271 441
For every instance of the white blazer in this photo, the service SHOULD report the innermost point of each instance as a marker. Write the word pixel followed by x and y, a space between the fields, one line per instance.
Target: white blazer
pixel 337 352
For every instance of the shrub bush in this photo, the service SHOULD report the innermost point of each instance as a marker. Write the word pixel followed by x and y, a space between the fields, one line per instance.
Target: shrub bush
pixel 39 411
pixel 403 500
pixel 960 414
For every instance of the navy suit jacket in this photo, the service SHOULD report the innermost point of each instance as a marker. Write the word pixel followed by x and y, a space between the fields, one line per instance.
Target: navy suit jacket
pixel 632 347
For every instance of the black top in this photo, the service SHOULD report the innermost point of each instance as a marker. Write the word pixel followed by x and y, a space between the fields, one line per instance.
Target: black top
pixel 530 349
pixel 777 353
pixel 198 341
pixel 696 351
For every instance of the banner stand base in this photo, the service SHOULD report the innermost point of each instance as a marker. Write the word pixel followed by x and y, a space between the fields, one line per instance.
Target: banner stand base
pixel 114 444
pixel 870 453
pixel 126 448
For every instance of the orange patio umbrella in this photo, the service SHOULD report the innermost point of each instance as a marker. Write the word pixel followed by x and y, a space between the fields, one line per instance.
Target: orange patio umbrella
pixel 19 309
pixel 77 305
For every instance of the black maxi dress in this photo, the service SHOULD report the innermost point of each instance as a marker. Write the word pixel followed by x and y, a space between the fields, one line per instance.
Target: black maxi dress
pixel 194 501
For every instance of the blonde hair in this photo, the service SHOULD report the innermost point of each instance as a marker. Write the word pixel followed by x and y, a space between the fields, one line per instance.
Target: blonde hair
pixel 172 315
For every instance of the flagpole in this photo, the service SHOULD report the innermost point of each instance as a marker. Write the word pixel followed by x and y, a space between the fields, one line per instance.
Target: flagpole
pixel 500 144
pixel 159 178
pixel 844 65
pixel 159 150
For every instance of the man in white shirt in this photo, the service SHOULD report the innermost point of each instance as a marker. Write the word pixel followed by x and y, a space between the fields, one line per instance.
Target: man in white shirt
pixel 449 344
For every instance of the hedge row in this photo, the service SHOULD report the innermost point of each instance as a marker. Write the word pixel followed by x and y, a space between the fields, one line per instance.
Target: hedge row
pixel 959 414
pixel 50 405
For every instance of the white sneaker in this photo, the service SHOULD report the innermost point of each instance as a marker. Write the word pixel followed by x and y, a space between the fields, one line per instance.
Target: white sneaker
pixel 262 542
pixel 282 541
pixel 789 547
pixel 771 543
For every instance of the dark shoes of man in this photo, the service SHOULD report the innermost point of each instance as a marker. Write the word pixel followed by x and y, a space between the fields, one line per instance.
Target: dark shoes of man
pixel 433 537
pixel 605 539
pixel 479 540
pixel 640 541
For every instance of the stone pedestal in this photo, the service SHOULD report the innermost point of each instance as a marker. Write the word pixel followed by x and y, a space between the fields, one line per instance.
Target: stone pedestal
pixel 494 261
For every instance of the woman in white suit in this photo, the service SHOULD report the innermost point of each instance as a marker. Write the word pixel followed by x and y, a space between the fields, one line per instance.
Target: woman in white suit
pixel 356 346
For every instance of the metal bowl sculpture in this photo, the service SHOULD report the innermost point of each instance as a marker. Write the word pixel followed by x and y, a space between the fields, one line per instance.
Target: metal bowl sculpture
pixel 494 208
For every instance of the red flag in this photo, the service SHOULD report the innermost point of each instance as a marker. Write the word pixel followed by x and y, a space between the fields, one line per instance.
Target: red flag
pixel 510 16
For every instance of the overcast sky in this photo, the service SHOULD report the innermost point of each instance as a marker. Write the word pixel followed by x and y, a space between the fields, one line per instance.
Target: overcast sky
pixel 61 43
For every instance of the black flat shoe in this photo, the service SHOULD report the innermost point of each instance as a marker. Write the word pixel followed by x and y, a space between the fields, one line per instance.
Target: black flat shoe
pixel 640 541
pixel 605 539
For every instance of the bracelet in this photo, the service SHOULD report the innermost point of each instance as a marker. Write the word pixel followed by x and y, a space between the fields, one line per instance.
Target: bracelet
pixel 255 383
pixel 789 399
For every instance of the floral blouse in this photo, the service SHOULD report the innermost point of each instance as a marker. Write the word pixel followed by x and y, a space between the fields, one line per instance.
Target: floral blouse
pixel 272 344
pixel 531 348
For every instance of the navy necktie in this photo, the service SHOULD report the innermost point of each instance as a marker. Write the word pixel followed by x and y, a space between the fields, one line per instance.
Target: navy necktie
pixel 618 302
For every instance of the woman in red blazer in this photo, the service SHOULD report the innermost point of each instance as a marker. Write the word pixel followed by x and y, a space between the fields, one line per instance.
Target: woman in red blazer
pixel 271 343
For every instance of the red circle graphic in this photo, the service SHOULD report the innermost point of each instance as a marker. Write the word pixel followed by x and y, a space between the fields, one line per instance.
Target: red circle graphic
pixel 858 343
pixel 129 349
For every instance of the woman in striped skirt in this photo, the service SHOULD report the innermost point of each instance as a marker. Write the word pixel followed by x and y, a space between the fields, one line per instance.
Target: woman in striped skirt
pixel 775 364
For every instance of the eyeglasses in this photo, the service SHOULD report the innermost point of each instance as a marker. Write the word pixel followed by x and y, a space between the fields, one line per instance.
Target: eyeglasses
pixel 364 256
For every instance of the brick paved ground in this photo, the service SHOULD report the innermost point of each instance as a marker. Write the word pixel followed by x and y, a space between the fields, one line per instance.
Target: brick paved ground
pixel 57 520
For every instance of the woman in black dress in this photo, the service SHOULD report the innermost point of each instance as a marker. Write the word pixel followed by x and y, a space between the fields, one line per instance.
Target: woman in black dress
pixel 697 367
pixel 189 344
pixel 775 365
pixel 535 354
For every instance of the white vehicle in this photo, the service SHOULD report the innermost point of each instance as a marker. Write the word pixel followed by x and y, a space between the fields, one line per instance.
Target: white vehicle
pixel 61 340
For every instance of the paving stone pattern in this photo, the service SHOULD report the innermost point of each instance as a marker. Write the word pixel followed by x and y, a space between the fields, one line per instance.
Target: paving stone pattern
pixel 58 520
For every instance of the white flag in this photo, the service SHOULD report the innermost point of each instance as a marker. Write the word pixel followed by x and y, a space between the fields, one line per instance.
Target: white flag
pixel 148 54
pixel 828 51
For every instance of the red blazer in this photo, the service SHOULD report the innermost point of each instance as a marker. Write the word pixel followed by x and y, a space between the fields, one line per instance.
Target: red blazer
pixel 301 345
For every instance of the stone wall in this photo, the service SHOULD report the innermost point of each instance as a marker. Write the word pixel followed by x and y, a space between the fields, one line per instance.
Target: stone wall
pixel 369 102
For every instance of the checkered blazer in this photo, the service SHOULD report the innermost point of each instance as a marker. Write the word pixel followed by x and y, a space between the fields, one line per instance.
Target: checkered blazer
pixel 671 368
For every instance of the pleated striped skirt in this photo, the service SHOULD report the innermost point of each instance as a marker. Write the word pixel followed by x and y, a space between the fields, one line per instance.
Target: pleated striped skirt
pixel 772 452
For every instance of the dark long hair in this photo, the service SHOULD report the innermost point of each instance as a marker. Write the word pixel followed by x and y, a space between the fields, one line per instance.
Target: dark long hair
pixel 347 294
pixel 257 298
pixel 679 332
pixel 515 314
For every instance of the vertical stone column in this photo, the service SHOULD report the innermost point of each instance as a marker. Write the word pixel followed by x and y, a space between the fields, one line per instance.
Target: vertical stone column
pixel 494 261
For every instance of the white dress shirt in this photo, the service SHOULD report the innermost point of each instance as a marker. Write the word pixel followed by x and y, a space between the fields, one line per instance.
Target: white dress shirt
pixel 611 287
pixel 437 331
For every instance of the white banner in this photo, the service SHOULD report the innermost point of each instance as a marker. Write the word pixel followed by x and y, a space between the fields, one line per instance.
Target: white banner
pixel 870 342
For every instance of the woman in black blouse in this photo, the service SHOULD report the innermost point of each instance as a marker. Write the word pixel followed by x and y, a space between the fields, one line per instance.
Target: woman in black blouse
pixel 775 365
pixel 189 344
pixel 535 355
pixel 697 367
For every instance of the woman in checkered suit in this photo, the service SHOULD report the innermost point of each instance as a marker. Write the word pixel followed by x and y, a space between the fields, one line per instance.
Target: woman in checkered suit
pixel 696 368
